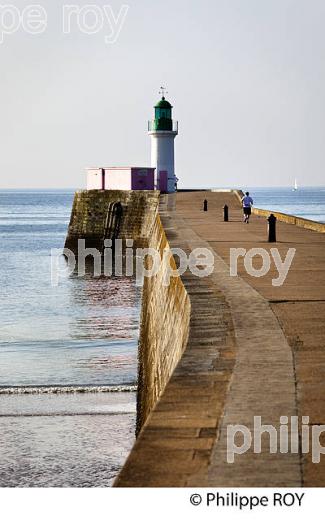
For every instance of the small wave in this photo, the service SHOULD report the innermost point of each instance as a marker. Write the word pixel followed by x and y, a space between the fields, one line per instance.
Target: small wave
pixel 18 390
pixel 64 414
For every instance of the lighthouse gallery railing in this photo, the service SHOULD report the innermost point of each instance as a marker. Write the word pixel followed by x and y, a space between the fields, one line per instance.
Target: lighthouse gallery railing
pixel 162 125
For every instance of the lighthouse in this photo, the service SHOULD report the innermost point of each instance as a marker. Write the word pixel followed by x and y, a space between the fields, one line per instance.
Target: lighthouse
pixel 163 130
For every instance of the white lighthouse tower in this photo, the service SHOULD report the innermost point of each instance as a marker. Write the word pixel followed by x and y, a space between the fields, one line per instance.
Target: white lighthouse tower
pixel 163 130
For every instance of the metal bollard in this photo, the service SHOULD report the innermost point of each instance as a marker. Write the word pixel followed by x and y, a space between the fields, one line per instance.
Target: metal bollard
pixel 205 205
pixel 272 228
pixel 225 213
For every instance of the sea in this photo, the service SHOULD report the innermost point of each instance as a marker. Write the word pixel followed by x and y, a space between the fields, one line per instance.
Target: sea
pixel 68 355
pixel 306 202
pixel 68 351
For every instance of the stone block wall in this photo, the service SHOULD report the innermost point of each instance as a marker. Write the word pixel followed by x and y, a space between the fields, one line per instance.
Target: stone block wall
pixel 164 330
pixel 90 209
pixel 165 314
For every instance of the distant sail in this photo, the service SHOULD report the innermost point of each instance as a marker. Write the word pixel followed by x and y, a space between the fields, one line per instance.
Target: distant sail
pixel 295 186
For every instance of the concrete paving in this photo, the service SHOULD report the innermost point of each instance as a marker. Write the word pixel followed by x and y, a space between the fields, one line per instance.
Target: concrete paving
pixel 177 441
pixel 270 379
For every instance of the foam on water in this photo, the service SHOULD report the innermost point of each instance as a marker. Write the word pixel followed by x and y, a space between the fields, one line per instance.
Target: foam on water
pixel 32 390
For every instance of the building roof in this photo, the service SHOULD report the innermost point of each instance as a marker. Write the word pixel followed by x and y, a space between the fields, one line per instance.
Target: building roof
pixel 120 168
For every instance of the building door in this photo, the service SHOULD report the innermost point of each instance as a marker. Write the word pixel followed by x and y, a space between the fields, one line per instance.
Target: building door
pixel 163 181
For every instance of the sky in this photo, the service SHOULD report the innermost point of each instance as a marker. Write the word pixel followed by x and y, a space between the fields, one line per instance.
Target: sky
pixel 246 79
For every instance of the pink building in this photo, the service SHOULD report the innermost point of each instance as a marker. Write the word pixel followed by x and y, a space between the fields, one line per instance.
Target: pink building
pixel 121 178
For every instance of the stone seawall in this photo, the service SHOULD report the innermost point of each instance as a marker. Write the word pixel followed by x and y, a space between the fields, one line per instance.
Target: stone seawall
pixel 165 314
pixel 91 209
pixel 177 440
pixel 291 219
pixel 164 328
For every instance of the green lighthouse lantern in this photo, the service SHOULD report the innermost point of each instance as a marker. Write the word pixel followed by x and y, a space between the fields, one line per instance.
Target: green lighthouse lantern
pixel 163 116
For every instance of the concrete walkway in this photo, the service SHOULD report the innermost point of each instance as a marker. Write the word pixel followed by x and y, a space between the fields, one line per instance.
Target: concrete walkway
pixel 177 442
pixel 269 378
pixel 254 350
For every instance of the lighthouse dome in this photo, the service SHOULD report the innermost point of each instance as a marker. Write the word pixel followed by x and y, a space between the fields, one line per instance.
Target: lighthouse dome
pixel 163 103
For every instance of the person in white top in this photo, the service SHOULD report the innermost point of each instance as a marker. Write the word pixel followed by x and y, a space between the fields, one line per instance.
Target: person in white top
pixel 247 202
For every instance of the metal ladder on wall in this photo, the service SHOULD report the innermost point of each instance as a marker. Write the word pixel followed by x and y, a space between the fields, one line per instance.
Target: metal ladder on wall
pixel 112 223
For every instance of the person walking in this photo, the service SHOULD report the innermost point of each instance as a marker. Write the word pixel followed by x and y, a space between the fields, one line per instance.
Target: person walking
pixel 247 202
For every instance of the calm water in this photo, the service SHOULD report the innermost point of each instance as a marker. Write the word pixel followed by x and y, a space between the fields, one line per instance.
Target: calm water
pixel 305 202
pixel 68 355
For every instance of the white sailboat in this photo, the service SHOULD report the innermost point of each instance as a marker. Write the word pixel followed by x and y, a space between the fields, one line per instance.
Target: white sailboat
pixel 295 188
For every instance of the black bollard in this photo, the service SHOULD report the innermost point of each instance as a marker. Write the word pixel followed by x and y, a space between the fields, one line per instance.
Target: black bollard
pixel 225 213
pixel 205 205
pixel 272 228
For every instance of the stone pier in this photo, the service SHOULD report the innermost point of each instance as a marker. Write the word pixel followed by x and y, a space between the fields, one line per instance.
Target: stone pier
pixel 252 349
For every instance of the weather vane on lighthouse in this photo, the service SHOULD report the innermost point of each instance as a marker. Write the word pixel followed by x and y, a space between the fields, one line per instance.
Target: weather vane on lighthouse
pixel 163 91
